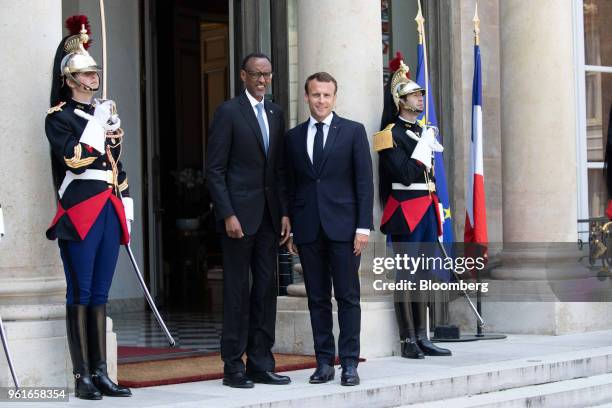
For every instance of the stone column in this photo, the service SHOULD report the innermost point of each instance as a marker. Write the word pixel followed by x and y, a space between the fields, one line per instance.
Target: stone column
pixel 539 179
pixel 348 45
pixel 538 121
pixel 32 284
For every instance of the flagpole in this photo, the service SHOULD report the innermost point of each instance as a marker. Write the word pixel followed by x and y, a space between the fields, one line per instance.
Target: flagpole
pixel 479 325
pixel 104 60
pixel 420 20
pixel 476 21
pixel 420 27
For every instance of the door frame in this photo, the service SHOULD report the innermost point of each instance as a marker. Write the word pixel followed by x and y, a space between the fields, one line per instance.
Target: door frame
pixel 152 200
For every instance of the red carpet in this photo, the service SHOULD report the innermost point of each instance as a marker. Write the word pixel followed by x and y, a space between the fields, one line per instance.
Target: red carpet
pixel 189 369
pixel 133 351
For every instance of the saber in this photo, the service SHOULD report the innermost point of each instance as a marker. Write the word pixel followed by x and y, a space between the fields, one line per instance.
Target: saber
pixel 148 296
pixel 143 285
pixel 104 60
pixel 8 354
pixel 482 322
pixel 1 223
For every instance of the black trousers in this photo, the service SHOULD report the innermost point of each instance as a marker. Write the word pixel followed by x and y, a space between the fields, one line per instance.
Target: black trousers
pixel 249 316
pixel 325 261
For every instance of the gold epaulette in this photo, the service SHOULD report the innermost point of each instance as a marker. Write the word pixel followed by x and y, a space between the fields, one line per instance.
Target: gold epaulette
pixel 56 108
pixel 384 139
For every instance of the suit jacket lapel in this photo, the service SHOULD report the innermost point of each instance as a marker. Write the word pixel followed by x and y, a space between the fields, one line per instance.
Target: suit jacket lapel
pixel 303 138
pixel 334 128
pixel 249 115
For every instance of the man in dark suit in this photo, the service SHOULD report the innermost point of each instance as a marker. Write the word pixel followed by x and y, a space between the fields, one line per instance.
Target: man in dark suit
pixel 331 199
pixel 246 179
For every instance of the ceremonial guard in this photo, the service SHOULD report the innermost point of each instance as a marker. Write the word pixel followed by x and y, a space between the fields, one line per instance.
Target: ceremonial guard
pixel 411 214
pixel 94 210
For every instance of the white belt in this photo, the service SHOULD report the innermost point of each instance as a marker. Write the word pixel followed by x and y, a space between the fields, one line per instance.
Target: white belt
pixel 90 174
pixel 414 186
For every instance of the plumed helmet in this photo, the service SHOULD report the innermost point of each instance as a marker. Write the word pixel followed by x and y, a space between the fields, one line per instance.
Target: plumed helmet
pixel 402 86
pixel 77 59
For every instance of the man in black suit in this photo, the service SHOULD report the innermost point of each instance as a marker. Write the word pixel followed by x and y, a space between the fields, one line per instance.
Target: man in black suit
pixel 246 180
pixel 331 199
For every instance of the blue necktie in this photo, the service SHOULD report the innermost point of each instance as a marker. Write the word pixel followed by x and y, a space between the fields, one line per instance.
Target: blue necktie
pixel 317 150
pixel 262 125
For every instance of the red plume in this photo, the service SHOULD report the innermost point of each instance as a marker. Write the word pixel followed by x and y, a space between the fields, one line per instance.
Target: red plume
pixel 394 64
pixel 74 23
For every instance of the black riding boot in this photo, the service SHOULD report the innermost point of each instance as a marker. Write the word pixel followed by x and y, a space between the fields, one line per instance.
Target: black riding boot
pixel 76 329
pixel 425 344
pixel 96 319
pixel 405 323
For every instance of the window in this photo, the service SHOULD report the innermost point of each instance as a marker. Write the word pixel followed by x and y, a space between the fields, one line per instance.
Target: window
pixel 597 102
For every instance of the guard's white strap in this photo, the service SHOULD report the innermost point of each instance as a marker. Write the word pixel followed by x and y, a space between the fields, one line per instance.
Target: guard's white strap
pixel 413 186
pixel 1 223
pixel 89 174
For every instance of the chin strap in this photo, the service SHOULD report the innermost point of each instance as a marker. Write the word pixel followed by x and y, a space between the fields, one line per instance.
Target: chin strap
pixel 410 108
pixel 90 89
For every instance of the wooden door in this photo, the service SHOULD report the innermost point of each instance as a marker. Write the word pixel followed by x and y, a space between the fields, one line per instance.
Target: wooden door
pixel 214 54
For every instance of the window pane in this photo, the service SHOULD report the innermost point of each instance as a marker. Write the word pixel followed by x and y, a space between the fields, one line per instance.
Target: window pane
pixel 598 108
pixel 598 32
pixel 598 196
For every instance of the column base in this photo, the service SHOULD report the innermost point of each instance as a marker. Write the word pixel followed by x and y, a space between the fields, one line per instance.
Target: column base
pixel 40 354
pixel 545 318
pixel 379 335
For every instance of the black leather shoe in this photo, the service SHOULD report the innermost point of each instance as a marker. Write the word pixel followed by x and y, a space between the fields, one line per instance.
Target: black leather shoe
pixel 237 380
pixel 349 376
pixel 410 349
pixel 430 349
pixel 268 377
pixel 96 337
pixel 322 374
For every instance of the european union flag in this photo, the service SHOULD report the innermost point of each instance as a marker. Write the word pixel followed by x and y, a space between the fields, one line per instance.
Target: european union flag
pixel 441 187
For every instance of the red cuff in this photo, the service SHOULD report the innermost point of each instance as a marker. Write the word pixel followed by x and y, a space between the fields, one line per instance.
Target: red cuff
pixel 609 209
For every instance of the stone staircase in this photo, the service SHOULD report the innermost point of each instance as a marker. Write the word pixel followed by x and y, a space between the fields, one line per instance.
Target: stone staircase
pixel 574 379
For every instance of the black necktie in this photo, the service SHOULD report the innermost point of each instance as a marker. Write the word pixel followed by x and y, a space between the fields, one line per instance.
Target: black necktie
pixel 317 151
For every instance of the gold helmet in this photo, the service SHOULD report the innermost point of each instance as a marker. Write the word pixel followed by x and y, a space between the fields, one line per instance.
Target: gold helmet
pixel 77 59
pixel 402 86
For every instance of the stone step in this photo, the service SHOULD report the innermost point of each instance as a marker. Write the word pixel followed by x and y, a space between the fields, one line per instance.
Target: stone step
pixel 382 387
pixel 578 393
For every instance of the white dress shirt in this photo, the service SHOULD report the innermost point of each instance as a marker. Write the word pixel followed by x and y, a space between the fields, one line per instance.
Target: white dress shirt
pixel 310 136
pixel 254 103
pixel 312 131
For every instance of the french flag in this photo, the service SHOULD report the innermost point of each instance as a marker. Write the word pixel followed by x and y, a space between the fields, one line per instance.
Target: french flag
pixel 476 212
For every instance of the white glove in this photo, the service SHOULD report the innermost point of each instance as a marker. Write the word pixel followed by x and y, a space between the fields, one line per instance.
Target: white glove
pixel 426 146
pixel 103 120
pixel 431 133
pixel 128 208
